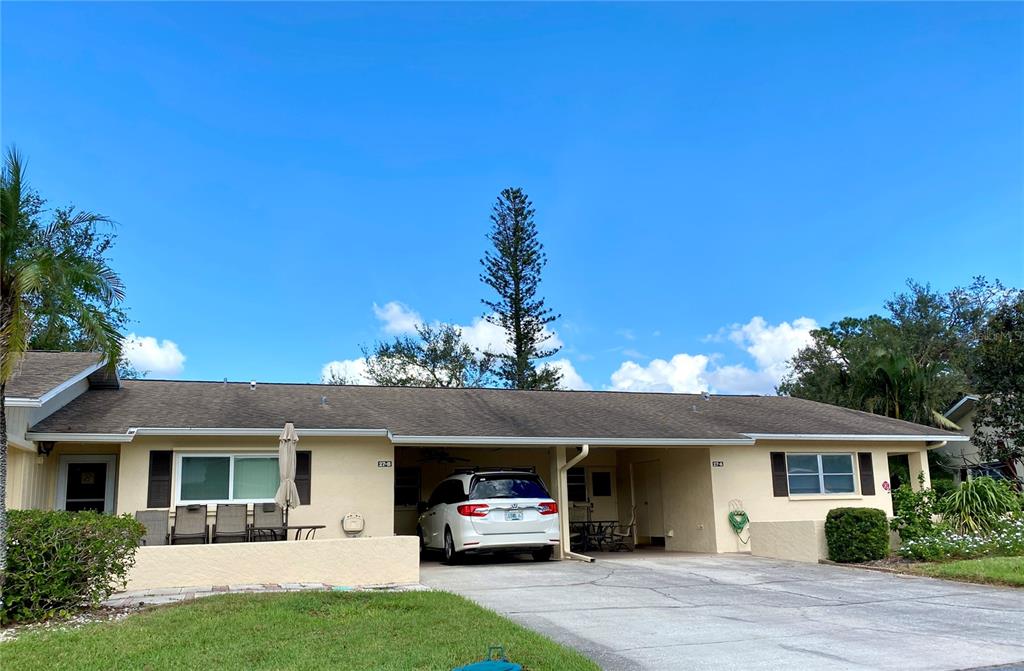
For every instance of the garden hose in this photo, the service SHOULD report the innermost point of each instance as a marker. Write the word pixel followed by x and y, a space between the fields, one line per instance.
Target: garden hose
pixel 738 520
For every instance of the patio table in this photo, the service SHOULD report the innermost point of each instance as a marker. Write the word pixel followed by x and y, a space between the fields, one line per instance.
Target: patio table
pixel 593 533
pixel 310 530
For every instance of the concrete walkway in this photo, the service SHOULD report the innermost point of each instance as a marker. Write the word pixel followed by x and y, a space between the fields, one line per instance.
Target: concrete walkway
pixel 675 611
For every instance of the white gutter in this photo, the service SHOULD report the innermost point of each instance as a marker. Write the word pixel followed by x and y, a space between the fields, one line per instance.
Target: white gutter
pixel 851 437
pixel 28 402
pixel 546 441
pixel 81 437
pixel 562 477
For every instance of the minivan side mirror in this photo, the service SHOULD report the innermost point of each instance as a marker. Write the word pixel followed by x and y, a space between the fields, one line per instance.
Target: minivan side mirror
pixel 421 507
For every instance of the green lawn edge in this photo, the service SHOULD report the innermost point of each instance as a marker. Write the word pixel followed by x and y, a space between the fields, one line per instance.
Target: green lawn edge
pixel 354 631
pixel 1007 571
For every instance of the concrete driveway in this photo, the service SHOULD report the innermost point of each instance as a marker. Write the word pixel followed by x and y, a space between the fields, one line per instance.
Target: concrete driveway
pixel 684 611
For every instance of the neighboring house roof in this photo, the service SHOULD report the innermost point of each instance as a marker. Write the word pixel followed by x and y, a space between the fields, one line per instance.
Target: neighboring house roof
pixel 38 375
pixel 416 414
pixel 961 408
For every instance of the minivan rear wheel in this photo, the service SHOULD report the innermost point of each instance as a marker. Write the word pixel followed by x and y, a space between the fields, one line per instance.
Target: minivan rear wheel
pixel 451 557
pixel 543 554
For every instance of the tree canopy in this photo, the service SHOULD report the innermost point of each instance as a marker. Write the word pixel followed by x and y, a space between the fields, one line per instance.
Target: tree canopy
pixel 999 375
pixel 436 357
pixel 912 363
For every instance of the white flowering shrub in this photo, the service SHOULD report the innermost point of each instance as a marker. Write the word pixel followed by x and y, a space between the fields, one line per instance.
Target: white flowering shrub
pixel 1005 539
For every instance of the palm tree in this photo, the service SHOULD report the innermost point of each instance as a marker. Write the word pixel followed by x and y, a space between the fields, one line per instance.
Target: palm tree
pixel 36 269
pixel 895 385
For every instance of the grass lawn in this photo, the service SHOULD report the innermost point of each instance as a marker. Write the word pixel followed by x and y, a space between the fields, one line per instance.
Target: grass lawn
pixel 992 570
pixel 304 630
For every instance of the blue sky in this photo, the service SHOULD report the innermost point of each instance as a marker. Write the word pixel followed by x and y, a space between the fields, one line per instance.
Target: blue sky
pixel 293 181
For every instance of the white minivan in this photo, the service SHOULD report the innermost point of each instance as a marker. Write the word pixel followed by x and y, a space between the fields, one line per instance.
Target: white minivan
pixel 490 510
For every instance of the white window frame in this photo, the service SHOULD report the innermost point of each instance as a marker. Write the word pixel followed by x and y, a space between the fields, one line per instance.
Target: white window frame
pixel 178 456
pixel 821 474
pixel 110 488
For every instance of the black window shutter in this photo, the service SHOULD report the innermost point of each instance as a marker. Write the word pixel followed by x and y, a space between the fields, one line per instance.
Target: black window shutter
pixel 159 493
pixel 303 474
pixel 780 482
pixel 867 474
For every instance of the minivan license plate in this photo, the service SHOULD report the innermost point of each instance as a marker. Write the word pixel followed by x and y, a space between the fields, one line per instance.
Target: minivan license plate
pixel 513 515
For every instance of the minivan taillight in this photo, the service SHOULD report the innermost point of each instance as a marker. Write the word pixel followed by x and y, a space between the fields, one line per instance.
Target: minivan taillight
pixel 473 509
pixel 547 507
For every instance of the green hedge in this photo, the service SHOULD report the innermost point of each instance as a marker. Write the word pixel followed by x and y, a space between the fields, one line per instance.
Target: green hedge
pixel 856 534
pixel 60 562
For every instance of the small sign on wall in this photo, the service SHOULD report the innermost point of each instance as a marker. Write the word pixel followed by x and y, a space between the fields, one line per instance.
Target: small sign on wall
pixel 384 463
pixel 718 464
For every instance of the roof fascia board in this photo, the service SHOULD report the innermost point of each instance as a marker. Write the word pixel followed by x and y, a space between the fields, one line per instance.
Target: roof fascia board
pixel 564 440
pixel 966 399
pixel 28 402
pixel 80 437
pixel 852 437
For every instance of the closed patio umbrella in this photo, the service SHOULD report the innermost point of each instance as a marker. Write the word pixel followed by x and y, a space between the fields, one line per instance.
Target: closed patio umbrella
pixel 287 493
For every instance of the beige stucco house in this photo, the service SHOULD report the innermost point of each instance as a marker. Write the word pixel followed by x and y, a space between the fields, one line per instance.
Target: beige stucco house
pixel 82 439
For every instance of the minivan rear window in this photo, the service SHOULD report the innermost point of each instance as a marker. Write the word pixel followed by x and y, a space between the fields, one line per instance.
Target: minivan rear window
pixel 507 487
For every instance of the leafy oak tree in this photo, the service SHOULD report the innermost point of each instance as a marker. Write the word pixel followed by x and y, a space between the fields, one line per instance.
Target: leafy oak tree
pixel 999 372
pixel 513 269
pixel 436 357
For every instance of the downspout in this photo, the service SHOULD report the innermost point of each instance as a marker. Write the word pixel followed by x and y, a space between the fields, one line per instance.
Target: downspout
pixel 563 496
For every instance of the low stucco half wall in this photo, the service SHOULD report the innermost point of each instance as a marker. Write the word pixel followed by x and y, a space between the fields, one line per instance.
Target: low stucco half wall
pixel 798 541
pixel 352 562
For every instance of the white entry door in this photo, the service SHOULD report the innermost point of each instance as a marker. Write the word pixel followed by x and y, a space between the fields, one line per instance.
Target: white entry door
pixel 602 493
pixel 86 482
pixel 650 518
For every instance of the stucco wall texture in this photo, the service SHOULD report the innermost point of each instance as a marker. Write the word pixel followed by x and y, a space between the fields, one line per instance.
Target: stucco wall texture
pixel 351 562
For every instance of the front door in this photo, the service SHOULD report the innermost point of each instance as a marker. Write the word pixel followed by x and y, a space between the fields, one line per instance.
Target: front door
pixel 86 483
pixel 602 493
pixel 650 520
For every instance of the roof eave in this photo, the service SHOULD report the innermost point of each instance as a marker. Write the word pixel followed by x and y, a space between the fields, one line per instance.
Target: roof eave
pixel 898 438
pixel 43 399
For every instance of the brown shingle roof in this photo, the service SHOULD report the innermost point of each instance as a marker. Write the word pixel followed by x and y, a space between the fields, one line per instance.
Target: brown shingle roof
pixel 39 372
pixel 459 412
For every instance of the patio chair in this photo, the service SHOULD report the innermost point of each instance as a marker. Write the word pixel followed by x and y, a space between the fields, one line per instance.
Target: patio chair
pixel 231 523
pixel 155 522
pixel 268 522
pixel 622 537
pixel 190 524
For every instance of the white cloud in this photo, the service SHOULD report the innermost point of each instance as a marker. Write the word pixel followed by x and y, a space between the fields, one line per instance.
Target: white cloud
pixel 571 379
pixel 683 373
pixel 397 317
pixel 773 346
pixel 770 346
pixel 352 371
pixel 157 358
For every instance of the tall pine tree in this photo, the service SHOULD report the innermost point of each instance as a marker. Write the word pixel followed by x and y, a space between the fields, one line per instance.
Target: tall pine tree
pixel 513 269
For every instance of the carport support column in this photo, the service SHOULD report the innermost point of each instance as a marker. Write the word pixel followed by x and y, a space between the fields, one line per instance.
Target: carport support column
pixel 563 466
pixel 560 483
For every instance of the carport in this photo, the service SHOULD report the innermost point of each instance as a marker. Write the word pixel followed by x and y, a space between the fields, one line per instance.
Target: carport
pixel 669 487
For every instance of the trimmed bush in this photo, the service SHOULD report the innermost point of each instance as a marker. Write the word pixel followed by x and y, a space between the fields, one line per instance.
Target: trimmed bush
pixel 60 562
pixel 856 534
